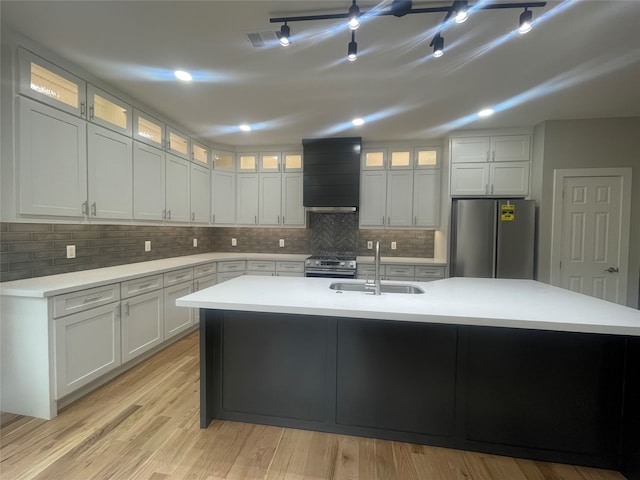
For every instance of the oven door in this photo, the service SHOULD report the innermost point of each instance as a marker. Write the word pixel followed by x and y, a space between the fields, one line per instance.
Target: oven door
pixel 319 273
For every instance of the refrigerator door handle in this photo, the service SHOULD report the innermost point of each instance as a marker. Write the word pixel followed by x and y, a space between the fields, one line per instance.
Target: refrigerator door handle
pixel 496 212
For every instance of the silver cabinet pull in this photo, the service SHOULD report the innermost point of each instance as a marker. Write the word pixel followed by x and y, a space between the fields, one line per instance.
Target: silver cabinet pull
pixel 169 215
pixel 92 299
pixel 255 219
pixel 383 219
pixel 164 214
pixel 493 156
pixel 492 189
pixel 85 208
pixel 278 219
pixel 91 114
pixel 487 155
pixel 193 216
pixel 389 220
pixel 126 309
pixel 283 220
pixel 93 209
pixel 415 220
pixel 83 109
pixel 197 285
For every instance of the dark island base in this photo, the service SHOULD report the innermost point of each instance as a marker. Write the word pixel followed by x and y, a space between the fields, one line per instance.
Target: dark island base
pixel 553 396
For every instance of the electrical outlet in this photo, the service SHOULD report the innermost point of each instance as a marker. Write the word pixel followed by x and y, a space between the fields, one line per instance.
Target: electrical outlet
pixel 71 251
pixel 147 245
pixel 369 244
pixel 234 242
pixel 281 242
pixel 195 242
pixel 393 245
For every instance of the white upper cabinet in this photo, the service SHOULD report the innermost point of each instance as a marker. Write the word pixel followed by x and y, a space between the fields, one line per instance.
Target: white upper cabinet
pixel 224 160
pixel 490 166
pixel 293 214
pixel 247 199
pixel 426 198
pixel 292 162
pixel 199 153
pixel 247 162
pixel 148 182
pixel 269 162
pixel 270 199
pixel 373 199
pixel 177 189
pixel 399 199
pixel 199 193
pixel 148 129
pixel 110 173
pixel 52 153
pixel 47 83
pixel 223 197
pixel 109 111
pixel 178 143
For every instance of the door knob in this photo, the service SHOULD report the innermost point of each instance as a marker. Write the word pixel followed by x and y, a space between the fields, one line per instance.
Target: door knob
pixel 612 270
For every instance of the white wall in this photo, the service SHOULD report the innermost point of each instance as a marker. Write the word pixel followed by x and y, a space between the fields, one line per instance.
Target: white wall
pixel 595 143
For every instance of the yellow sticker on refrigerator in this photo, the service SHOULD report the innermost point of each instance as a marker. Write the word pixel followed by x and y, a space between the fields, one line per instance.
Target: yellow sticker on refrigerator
pixel 507 213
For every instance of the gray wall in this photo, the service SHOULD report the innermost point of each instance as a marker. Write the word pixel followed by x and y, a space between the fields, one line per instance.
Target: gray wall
pixel 595 143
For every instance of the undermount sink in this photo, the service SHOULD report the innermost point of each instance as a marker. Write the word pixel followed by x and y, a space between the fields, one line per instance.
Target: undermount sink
pixel 384 288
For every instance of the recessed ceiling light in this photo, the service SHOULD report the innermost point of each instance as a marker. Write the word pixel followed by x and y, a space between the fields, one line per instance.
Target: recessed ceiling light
pixel 486 112
pixel 358 121
pixel 245 128
pixel 182 75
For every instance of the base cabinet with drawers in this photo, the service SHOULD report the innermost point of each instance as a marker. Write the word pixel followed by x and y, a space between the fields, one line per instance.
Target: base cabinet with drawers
pixel 400 272
pixel 177 284
pixel 230 269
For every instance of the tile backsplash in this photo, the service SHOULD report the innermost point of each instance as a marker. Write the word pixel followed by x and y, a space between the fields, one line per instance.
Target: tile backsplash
pixel 37 249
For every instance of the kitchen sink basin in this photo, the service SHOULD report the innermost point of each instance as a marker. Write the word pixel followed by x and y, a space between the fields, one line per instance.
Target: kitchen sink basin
pixel 384 288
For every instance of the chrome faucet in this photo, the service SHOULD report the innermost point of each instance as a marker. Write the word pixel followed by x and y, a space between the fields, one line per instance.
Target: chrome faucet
pixel 375 285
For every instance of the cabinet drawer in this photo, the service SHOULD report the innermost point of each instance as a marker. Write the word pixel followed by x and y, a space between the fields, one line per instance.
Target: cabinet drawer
pixel 370 269
pixel 223 277
pixel 205 282
pixel 85 299
pixel 178 276
pixel 297 267
pixel 261 266
pixel 231 266
pixel 429 272
pixel 140 285
pixel 400 270
pixel 203 270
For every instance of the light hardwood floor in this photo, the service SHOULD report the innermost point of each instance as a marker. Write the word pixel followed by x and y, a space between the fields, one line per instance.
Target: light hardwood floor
pixel 145 425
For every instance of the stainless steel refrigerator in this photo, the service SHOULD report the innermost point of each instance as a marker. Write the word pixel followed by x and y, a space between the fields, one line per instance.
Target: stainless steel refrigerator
pixel 492 238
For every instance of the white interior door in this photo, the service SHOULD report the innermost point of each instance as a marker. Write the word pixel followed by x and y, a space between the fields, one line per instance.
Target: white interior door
pixel 592 250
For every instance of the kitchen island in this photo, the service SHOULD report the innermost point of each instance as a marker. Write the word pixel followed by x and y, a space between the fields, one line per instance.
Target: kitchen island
pixel 512 367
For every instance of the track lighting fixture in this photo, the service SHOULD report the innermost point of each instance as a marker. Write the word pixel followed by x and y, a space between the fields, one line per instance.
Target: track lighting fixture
pixel 525 21
pixel 354 16
pixel 352 51
pixel 438 45
pixel 460 14
pixel 285 33
pixel 457 11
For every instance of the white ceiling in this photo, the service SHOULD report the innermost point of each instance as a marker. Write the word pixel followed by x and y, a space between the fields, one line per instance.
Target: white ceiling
pixel 582 60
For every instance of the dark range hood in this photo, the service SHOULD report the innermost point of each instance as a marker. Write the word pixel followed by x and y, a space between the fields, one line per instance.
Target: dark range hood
pixel 332 174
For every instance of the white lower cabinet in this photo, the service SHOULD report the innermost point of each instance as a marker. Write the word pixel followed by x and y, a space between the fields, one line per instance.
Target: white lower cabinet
pixel 176 319
pixel 205 282
pixel 142 324
pixel 289 269
pixel 87 345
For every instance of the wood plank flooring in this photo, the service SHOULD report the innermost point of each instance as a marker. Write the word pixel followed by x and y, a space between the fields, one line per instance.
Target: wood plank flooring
pixel 145 425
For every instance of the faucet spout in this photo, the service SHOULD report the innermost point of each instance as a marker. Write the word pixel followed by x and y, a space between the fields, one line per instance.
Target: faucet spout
pixel 377 271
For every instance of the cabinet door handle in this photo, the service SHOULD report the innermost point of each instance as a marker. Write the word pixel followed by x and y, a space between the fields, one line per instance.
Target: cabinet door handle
pixel 383 219
pixel 193 216
pixel 255 219
pixel 197 284
pixel 169 215
pixel 415 220
pixel 92 299
pixel 213 218
pixel 492 189
pixel 487 155
pixel 85 208
pixel 389 220
pixel 126 305
pixel 83 109
pixel 283 219
pixel 493 156
pixel 93 209
pixel 164 214
pixel 278 219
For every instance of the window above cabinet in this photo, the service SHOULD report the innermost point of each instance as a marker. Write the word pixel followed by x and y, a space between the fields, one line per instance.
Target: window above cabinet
pixel 147 129
pixel 177 143
pixel 109 111
pixel 224 161
pixel 199 153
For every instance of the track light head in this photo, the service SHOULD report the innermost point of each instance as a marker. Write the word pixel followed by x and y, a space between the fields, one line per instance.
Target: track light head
pixel 285 33
pixel 525 21
pixel 352 51
pixel 354 16
pixel 438 46
pixel 460 12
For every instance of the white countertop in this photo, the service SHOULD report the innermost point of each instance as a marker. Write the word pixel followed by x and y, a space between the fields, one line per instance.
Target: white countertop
pixel 69 282
pixel 459 301
pixel 48 286
pixel 403 260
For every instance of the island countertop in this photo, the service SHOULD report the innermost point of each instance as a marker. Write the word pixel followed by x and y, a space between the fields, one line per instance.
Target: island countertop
pixel 460 301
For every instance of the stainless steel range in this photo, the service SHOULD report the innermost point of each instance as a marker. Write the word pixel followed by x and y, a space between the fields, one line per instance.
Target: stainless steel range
pixel 331 266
